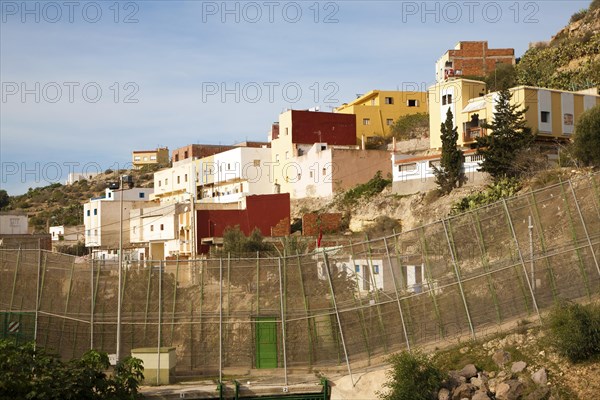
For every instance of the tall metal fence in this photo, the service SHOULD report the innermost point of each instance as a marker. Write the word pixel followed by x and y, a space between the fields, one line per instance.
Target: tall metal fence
pixel 340 307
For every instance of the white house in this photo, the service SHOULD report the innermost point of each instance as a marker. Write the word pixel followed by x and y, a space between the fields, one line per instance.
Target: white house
pixel 415 174
pixel 101 216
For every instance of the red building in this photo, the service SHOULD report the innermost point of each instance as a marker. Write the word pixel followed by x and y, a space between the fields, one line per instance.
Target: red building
pixel 474 59
pixel 308 127
pixel 270 213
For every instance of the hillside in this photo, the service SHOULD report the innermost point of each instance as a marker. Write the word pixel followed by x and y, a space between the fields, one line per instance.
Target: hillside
pixel 59 204
pixel 570 60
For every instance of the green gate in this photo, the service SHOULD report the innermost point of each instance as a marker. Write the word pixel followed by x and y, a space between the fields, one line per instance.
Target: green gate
pixel 266 342
pixel 17 325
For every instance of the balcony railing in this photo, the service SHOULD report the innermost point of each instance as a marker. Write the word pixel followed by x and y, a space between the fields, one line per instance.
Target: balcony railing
pixel 472 133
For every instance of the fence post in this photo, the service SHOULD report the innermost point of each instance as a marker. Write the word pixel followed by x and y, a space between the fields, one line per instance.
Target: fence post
pixel 37 298
pixel 587 235
pixel 514 235
pixel 387 251
pixel 220 319
pixel 458 279
pixel 282 322
pixel 337 315
pixel 160 268
pixel 92 303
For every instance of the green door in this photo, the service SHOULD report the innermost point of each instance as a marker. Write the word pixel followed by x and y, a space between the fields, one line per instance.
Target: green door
pixel 266 342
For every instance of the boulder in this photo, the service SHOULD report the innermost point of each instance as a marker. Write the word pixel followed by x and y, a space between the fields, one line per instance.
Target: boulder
pixel 518 367
pixel 501 357
pixel 481 395
pixel 464 390
pixel 480 382
pixel 540 377
pixel 468 371
pixel 444 394
pixel 509 390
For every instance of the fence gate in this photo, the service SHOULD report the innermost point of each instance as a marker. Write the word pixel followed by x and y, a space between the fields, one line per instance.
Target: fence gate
pixel 266 342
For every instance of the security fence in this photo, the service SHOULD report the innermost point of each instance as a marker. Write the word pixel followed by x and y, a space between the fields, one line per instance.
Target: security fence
pixel 338 307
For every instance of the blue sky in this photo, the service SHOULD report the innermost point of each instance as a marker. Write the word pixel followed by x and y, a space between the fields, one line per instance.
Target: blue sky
pixel 84 84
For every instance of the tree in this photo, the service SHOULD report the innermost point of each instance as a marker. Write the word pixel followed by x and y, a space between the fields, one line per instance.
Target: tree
pixel 586 139
pixel 510 136
pixel 411 126
pixel 31 373
pixel 450 173
pixel 4 199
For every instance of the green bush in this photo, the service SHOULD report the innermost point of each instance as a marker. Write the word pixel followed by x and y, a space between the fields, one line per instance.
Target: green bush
pixel 579 15
pixel 31 373
pixel 504 188
pixel 412 377
pixel 365 190
pixel 411 126
pixel 575 330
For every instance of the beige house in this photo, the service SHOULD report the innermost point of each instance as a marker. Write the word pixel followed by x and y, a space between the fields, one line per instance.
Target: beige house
pixel 141 158
pixel 551 114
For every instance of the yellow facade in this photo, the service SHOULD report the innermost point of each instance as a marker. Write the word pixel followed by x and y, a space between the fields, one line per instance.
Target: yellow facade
pixel 377 110
pixel 158 156
pixel 551 114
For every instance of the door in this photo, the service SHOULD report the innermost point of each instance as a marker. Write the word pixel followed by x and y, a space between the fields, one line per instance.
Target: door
pixel 266 342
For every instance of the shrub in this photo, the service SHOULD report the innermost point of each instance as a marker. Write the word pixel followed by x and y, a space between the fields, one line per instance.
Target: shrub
pixel 413 377
pixel 579 15
pixel 575 330
pixel 586 139
pixel 366 190
pixel 504 188
pixel 412 126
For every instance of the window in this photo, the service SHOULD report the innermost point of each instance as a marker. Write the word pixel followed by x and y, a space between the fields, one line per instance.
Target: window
pixel 142 195
pixel 88 213
pixel 87 232
pixel 323 147
pixel 446 99
pixel 357 268
pixel 366 121
pixel 286 131
pixel 166 181
pixel 276 157
pixel 375 269
pixel 449 98
pixel 228 167
pixel 185 177
pixel 109 195
pixel 389 122
pixel 178 179
pixel 95 211
pixel 311 174
pixel 176 157
pixel 136 158
pixel 372 102
pixel 287 155
pixel 185 154
pixel 145 158
pixel 162 227
pixel 389 100
pixel 257 163
pixel 545 116
pixel 412 103
pixel 568 119
pixel 153 158
pixel 324 171
pixel 151 228
pixel 407 167
pixel 159 183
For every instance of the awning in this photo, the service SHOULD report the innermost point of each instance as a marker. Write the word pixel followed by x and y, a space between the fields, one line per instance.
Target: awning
pixel 474 106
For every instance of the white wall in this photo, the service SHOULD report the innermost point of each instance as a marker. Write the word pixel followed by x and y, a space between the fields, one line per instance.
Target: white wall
pixel 13 224
pixel 309 179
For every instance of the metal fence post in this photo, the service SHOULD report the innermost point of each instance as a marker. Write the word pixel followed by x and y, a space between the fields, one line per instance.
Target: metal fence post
pixel 160 268
pixel 220 319
pixel 37 298
pixel 337 315
pixel 282 322
pixel 387 251
pixel 514 235
pixel 92 303
pixel 587 235
pixel 458 279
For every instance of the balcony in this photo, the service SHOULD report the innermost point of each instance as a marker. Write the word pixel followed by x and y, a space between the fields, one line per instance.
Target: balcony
pixel 471 134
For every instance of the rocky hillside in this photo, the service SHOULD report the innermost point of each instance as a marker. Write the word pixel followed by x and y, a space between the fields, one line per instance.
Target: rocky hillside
pixel 58 204
pixel 570 60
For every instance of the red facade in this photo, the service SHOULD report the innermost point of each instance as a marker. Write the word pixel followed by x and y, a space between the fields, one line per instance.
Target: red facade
pixel 323 127
pixel 270 213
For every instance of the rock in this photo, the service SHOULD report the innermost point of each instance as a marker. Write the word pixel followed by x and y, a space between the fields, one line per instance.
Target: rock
pixel 454 380
pixel 464 350
pixel 444 394
pixel 509 390
pixel 492 384
pixel 492 374
pixel 540 393
pixel 501 357
pixel 480 396
pixel 468 371
pixel 540 377
pixel 518 367
pixel 480 382
pixel 464 390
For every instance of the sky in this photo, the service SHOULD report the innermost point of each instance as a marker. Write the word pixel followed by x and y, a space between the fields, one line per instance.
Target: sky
pixel 83 84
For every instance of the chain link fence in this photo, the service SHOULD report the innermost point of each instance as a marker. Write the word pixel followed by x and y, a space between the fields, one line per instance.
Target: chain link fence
pixel 337 308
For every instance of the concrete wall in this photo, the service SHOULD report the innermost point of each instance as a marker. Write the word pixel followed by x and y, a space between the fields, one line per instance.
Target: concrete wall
pixel 13 223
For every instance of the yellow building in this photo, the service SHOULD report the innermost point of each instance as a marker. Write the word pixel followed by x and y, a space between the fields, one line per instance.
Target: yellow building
pixel 551 114
pixel 159 156
pixel 377 110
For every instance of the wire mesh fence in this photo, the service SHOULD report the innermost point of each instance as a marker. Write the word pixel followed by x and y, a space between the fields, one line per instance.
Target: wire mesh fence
pixel 339 307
